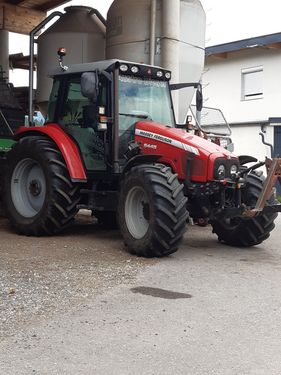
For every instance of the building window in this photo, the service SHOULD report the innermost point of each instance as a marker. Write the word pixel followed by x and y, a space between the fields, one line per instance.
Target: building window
pixel 252 83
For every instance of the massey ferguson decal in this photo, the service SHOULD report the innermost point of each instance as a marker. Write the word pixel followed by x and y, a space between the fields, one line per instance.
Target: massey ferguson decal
pixel 167 140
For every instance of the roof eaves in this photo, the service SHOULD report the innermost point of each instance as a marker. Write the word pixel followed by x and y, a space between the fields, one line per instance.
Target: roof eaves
pixel 260 41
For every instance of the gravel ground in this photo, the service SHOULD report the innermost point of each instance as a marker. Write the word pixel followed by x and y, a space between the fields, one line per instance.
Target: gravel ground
pixel 207 309
pixel 40 277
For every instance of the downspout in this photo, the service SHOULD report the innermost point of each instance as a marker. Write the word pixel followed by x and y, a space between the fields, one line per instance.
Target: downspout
pixel 152 45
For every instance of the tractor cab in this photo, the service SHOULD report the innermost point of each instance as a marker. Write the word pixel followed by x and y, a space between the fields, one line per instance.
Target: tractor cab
pixel 99 104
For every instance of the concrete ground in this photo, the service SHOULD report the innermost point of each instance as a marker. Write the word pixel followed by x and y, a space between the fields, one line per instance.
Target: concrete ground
pixel 79 304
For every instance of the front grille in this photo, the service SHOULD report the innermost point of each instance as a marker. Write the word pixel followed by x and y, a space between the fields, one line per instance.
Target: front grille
pixel 227 163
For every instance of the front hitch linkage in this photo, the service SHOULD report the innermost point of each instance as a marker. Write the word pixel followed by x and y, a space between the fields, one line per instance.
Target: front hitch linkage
pixel 273 167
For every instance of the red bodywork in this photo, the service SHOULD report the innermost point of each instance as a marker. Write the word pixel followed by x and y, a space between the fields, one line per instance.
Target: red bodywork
pixel 155 139
pixel 67 147
pixel 176 145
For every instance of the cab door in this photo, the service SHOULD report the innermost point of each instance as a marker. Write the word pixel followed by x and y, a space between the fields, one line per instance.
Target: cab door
pixel 79 117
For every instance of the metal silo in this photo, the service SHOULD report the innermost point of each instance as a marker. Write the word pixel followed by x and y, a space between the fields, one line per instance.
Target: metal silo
pixel 128 30
pixel 168 33
pixel 81 30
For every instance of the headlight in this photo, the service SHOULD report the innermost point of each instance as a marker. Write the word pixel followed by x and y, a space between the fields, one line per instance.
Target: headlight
pixel 123 68
pixel 221 171
pixel 159 74
pixel 233 169
pixel 226 168
pixel 168 75
pixel 134 69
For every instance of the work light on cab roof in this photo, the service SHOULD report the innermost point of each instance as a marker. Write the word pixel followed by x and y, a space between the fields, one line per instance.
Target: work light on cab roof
pixel 62 53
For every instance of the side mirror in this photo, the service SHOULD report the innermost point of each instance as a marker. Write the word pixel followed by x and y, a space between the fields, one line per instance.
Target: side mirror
pixel 199 98
pixel 90 85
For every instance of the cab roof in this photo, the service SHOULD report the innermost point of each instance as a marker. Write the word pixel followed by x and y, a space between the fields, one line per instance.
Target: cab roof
pixel 106 65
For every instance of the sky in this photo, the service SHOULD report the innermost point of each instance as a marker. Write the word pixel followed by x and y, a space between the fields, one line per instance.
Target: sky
pixel 227 20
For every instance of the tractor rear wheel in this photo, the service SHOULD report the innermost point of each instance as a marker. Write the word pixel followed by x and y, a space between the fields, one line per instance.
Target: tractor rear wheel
pixel 152 211
pixel 246 232
pixel 39 195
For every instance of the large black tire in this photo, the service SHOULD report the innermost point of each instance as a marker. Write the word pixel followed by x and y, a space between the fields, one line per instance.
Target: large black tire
pixel 152 211
pixel 246 232
pixel 40 198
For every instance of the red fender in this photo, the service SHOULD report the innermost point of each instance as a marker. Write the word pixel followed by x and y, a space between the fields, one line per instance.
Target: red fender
pixel 67 147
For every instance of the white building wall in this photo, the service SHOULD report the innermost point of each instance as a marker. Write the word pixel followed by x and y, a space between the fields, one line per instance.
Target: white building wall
pixel 247 141
pixel 223 90
pixel 223 77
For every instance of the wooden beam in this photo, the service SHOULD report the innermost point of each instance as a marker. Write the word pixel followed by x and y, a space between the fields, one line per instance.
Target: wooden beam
pixel 19 61
pixel 51 4
pixel 220 56
pixel 274 45
pixel 1 18
pixel 31 4
pixel 43 5
pixel 18 19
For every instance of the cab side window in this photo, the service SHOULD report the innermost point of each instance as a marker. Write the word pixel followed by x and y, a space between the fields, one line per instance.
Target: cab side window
pixel 72 113
pixel 79 118
pixel 53 101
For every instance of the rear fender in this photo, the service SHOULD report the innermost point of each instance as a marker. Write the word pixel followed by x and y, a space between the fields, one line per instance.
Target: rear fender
pixel 65 144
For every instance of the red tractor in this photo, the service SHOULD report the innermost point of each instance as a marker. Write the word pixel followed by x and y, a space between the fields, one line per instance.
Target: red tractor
pixel 111 145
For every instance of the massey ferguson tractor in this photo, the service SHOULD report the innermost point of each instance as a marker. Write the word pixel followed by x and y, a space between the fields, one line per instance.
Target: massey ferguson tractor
pixel 111 145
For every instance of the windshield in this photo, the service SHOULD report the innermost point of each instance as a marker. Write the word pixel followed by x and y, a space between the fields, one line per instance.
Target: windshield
pixel 144 99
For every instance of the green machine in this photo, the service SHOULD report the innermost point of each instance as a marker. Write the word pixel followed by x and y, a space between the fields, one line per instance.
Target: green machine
pixel 5 145
pixel 12 116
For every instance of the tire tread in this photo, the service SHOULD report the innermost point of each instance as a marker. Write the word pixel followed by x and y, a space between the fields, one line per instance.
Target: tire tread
pixel 249 231
pixel 170 210
pixel 60 208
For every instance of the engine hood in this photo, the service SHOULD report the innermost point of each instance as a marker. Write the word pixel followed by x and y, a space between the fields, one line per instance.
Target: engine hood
pixel 180 139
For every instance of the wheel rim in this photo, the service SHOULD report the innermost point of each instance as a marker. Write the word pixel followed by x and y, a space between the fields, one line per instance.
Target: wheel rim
pixel 230 223
pixel 28 188
pixel 137 212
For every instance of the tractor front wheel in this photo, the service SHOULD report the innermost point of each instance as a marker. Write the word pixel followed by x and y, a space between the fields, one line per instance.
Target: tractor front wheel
pixel 39 195
pixel 152 211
